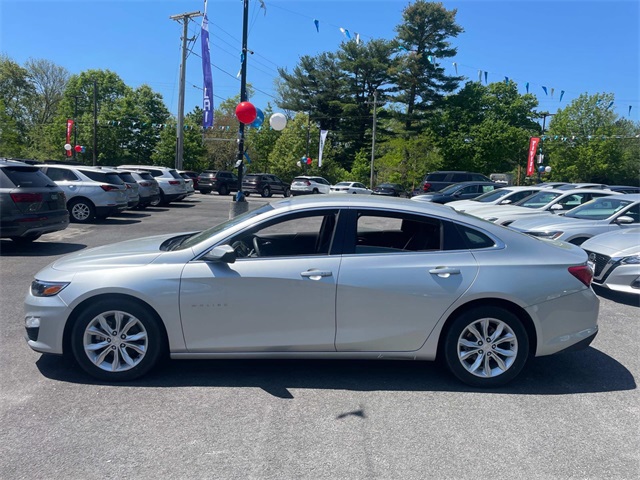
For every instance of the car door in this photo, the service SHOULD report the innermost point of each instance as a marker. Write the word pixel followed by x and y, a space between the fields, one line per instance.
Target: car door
pixel 281 299
pixel 65 179
pixel 468 192
pixel 394 286
pixel 275 185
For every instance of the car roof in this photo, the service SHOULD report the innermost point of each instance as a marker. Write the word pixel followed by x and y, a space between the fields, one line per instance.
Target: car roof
pixel 80 167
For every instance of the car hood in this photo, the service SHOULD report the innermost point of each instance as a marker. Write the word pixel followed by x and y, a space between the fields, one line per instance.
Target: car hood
pixel 502 210
pixel 141 251
pixel 621 243
pixel 457 204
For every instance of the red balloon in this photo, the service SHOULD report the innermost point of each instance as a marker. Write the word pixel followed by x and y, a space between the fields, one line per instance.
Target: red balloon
pixel 78 148
pixel 246 112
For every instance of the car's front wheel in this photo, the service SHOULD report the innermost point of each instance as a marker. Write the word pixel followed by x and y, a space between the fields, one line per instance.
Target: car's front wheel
pixel 287 192
pixel 223 190
pixel 117 340
pixel 486 347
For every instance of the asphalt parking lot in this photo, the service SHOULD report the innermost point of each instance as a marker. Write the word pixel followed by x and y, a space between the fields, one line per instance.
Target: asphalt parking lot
pixel 573 415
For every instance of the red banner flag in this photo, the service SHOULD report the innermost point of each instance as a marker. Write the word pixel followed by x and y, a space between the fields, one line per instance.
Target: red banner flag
pixel 69 128
pixel 533 148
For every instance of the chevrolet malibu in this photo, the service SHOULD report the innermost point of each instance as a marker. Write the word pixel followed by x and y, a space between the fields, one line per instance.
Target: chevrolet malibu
pixel 344 276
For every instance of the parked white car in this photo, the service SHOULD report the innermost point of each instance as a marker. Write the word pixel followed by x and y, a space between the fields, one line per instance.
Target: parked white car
pixel 306 185
pixel 500 196
pixel 172 185
pixel 330 276
pixel 350 187
pixel 615 259
pixel 545 202
pixel 601 215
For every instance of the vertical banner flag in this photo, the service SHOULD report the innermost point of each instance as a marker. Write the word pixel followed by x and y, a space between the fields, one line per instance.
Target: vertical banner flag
pixel 69 128
pixel 323 138
pixel 629 114
pixel 533 148
pixel 561 94
pixel 207 98
pixel 545 90
pixel 455 65
pixel 317 24
pixel 527 85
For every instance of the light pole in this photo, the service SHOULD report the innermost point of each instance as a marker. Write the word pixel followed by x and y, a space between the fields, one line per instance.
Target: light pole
pixel 541 155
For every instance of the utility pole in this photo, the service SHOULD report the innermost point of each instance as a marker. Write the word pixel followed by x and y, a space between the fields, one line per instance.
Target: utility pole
pixel 95 122
pixel 541 157
pixel 373 136
pixel 183 67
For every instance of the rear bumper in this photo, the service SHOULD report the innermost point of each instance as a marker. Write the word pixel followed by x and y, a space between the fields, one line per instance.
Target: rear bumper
pixel 34 224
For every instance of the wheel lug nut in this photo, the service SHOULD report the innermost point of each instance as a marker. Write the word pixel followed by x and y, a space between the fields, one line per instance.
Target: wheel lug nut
pixel 480 343
pixel 488 354
pixel 108 340
pixel 493 346
pixel 488 339
pixel 123 336
pixel 113 347
pixel 114 333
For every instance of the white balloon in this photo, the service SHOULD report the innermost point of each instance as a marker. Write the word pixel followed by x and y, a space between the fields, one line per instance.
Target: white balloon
pixel 67 146
pixel 547 169
pixel 278 121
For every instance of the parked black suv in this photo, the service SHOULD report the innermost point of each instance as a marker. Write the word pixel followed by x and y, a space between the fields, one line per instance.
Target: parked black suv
pixel 221 182
pixel 265 184
pixel 436 181
pixel 31 204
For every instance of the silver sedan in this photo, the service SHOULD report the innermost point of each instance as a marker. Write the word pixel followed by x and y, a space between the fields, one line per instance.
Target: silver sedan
pixel 343 276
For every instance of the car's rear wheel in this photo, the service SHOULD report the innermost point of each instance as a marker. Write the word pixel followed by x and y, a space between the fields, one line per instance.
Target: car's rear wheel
pixel 204 191
pixel 287 192
pixel 223 190
pixel 315 191
pixel 486 347
pixel 117 340
pixel 81 210
pixel 266 192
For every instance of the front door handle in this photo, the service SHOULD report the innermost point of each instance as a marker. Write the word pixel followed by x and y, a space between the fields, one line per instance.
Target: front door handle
pixel 316 274
pixel 445 272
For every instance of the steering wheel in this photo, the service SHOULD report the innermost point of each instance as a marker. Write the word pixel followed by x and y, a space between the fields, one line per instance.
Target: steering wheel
pixel 256 246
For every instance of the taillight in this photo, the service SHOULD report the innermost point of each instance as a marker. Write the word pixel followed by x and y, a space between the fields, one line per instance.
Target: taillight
pixel 128 186
pixel 582 273
pixel 308 183
pixel 174 182
pixel 108 188
pixel 26 197
pixel 426 187
pixel 145 184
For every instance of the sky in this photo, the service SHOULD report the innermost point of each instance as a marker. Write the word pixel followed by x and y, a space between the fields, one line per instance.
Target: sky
pixel 571 46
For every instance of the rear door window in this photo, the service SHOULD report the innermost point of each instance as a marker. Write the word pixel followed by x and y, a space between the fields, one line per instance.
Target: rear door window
pixel 61 174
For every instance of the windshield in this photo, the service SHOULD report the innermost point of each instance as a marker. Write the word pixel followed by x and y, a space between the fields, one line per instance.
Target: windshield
pixel 599 209
pixel 210 232
pixel 450 189
pixel 492 196
pixel 342 184
pixel 538 200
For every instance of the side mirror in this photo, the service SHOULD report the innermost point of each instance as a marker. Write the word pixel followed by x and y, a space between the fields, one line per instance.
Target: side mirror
pixel 221 253
pixel 505 202
pixel 556 207
pixel 624 220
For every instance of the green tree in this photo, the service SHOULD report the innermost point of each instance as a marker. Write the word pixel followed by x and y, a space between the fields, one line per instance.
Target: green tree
pixel 15 95
pixel 588 142
pixel 424 41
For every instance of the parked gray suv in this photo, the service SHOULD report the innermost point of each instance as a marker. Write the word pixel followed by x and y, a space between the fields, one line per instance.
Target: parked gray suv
pixel 30 203
pixel 92 192
pixel 436 181
pixel 172 186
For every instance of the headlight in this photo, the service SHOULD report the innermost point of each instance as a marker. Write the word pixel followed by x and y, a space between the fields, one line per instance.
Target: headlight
pixel 552 235
pixel 46 289
pixel 632 260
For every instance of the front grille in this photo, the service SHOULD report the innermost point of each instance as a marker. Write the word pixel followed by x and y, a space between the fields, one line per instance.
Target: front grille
pixel 600 261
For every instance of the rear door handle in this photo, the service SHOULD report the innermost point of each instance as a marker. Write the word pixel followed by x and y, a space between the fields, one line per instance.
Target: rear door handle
pixel 444 272
pixel 316 274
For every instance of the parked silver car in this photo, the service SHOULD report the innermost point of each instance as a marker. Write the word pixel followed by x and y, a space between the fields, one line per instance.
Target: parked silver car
pixel 615 259
pixel 133 189
pixel 305 185
pixel 172 185
pixel 604 214
pixel 148 188
pixel 500 196
pixel 337 276
pixel 545 202
pixel 92 192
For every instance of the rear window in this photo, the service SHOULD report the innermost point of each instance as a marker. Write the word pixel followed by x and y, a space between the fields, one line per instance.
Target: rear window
pixel 436 177
pixel 251 177
pixel 27 177
pixel 145 175
pixel 155 173
pixel 104 177
pixel 175 174
pixel 127 177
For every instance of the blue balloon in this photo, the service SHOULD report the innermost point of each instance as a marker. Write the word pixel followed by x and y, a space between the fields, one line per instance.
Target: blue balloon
pixel 259 118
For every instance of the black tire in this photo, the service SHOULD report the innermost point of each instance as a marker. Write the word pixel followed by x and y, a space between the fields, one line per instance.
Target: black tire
pixel 266 192
pixel 204 191
pixel 223 190
pixel 287 192
pixel 315 191
pixel 26 239
pixel 81 210
pixel 142 352
pixel 163 200
pixel 461 358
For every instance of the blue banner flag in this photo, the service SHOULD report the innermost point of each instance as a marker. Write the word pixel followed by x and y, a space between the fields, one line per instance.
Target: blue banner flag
pixel 207 98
